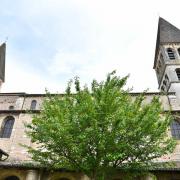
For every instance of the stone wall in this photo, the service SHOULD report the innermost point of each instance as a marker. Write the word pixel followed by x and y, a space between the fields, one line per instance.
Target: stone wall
pixel 18 153
pixel 12 145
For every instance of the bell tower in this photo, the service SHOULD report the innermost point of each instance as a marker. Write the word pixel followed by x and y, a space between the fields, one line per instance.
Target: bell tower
pixel 167 57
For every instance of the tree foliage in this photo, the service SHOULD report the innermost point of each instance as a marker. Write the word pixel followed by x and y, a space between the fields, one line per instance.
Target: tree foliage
pixel 99 129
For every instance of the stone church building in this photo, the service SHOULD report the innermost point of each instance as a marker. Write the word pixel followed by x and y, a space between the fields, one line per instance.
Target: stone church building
pixel 15 111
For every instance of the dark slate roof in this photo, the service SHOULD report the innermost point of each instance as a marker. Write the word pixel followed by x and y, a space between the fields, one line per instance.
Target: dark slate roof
pixel 167 33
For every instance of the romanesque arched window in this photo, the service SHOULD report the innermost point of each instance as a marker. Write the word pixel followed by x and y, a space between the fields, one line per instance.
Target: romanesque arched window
pixel 175 129
pixel 7 127
pixel 178 73
pixel 12 178
pixel 170 53
pixel 33 104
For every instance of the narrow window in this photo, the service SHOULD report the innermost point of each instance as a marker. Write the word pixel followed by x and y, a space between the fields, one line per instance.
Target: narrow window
pixel 175 129
pixel 33 104
pixel 164 82
pixel 178 73
pixel 11 107
pixel 179 51
pixel 170 53
pixel 166 77
pixel 7 127
pixel 162 88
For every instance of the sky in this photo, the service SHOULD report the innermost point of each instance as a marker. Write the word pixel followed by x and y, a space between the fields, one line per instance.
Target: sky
pixel 51 41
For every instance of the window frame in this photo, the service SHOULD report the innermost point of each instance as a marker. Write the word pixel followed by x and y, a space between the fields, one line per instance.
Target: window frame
pixel 171 53
pixel 33 104
pixel 7 127
pixel 175 129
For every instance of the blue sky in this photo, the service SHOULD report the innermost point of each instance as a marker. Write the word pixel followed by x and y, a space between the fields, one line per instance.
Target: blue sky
pixel 51 41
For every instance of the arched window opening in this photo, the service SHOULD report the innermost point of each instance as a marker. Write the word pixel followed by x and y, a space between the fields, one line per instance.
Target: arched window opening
pixel 162 88
pixel 164 82
pixel 178 73
pixel 179 51
pixel 11 107
pixel 12 178
pixel 7 127
pixel 170 53
pixel 33 104
pixel 166 77
pixel 175 129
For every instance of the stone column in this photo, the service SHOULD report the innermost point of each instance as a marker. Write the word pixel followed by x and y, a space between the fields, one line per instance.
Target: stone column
pixel 32 175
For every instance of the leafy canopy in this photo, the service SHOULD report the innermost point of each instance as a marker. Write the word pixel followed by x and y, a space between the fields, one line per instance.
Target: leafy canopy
pixel 98 130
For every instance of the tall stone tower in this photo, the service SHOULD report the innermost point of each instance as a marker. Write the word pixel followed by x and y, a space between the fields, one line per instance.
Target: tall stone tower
pixel 167 57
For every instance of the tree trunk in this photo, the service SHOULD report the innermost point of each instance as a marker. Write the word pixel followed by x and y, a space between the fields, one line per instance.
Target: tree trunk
pixel 94 176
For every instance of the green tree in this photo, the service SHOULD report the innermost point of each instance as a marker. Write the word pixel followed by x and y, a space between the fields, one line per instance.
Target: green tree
pixel 99 130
